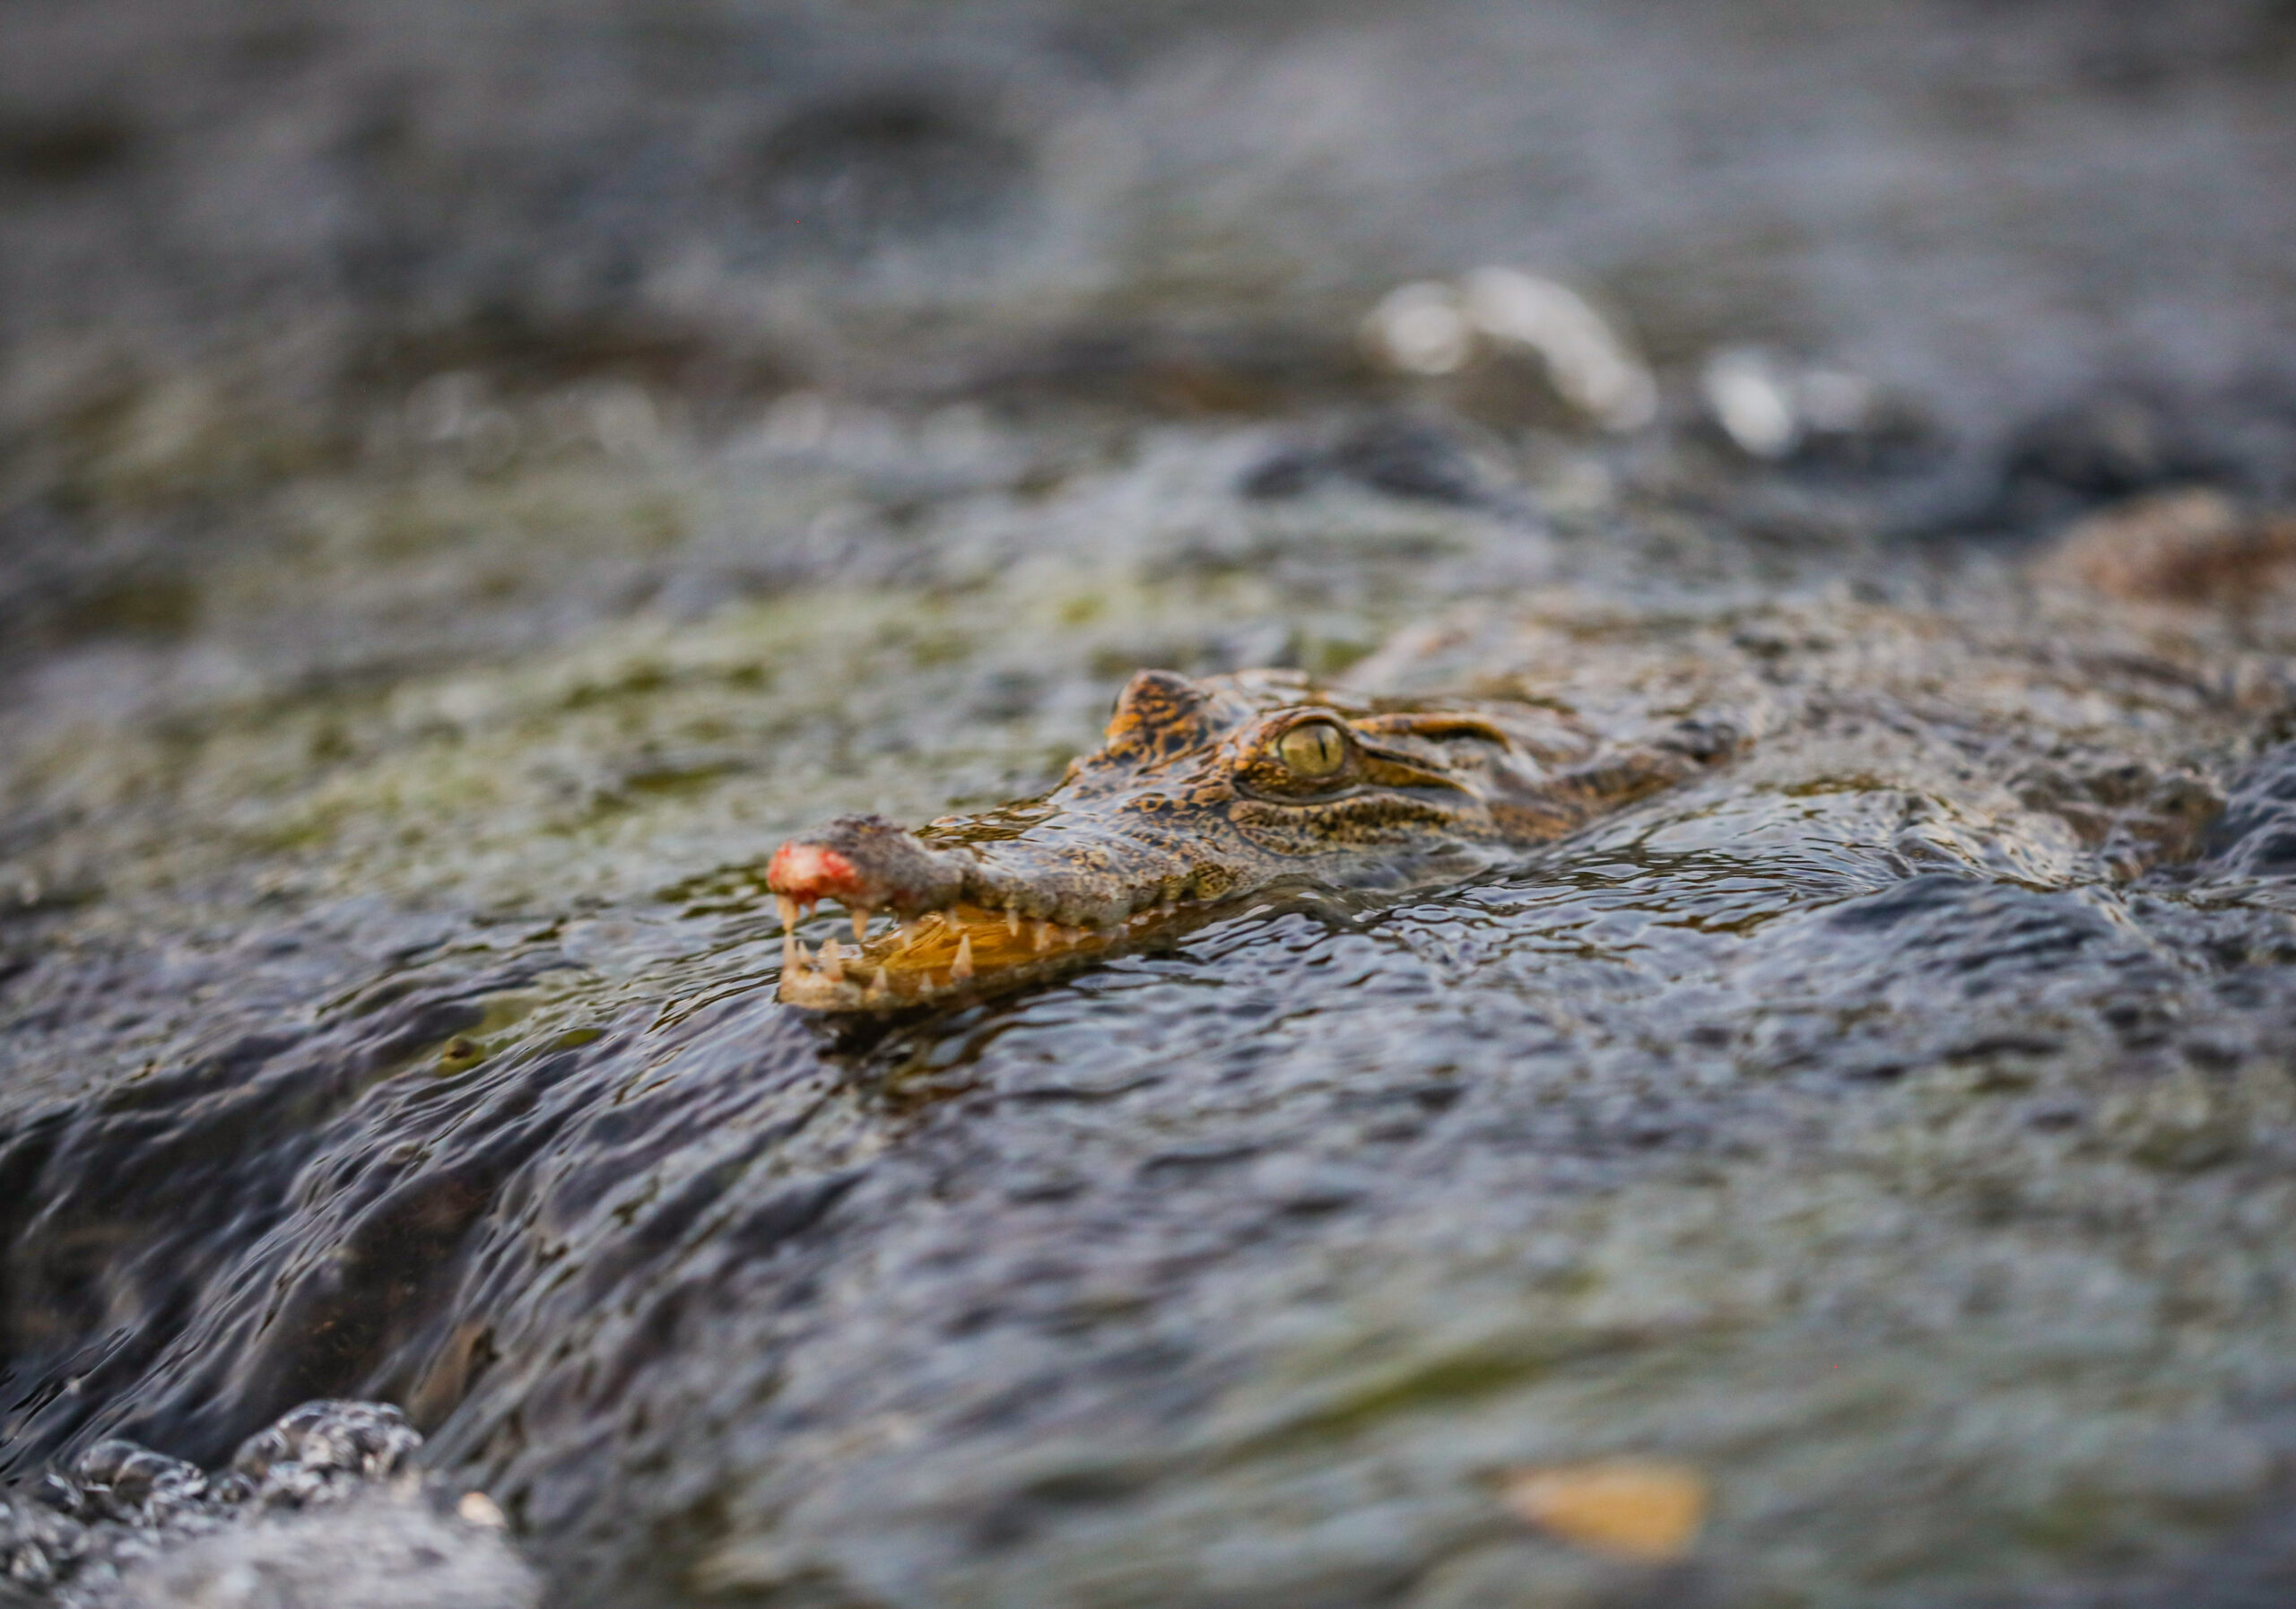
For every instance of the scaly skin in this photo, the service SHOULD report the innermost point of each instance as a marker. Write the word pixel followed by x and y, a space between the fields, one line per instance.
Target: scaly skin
pixel 1203 792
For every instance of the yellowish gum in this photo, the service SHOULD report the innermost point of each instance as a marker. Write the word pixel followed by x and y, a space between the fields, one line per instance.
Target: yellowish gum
pixel 930 943
pixel 941 950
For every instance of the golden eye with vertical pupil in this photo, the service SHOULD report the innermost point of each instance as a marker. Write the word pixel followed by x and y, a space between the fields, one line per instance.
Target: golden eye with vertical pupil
pixel 1312 749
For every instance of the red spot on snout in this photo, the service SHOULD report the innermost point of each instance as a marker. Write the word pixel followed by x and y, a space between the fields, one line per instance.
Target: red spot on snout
pixel 809 872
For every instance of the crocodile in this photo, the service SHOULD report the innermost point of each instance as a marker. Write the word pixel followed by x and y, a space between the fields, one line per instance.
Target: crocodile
pixel 1203 792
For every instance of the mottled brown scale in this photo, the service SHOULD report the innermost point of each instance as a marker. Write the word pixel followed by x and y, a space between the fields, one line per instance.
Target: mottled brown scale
pixel 1205 791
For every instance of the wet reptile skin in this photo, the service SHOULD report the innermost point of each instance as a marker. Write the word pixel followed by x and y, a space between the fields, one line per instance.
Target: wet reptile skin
pixel 1203 792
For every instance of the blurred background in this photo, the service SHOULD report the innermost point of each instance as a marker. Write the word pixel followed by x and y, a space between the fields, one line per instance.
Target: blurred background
pixel 473 478
pixel 263 265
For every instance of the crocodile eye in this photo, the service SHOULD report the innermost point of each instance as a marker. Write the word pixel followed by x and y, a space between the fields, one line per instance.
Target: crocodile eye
pixel 1312 749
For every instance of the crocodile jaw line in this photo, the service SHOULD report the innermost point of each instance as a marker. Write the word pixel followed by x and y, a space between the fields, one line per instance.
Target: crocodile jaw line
pixel 959 951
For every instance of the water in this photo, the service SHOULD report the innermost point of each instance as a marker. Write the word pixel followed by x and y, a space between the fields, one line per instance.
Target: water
pixel 1885 1155
pixel 410 673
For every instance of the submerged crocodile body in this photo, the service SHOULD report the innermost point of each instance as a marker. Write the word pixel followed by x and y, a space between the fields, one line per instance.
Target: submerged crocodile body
pixel 1204 791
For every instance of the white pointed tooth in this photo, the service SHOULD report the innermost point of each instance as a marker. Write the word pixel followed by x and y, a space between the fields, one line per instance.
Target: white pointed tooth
pixel 861 914
pixel 878 988
pixel 786 904
pixel 1013 919
pixel 960 968
pixel 833 962
pixel 1039 933
pixel 797 946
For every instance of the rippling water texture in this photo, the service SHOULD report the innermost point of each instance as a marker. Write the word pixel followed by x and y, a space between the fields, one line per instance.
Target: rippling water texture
pixel 468 496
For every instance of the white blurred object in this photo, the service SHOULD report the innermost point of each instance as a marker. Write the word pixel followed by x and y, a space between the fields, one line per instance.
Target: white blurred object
pixel 1751 399
pixel 624 420
pixel 1768 407
pixel 1420 328
pixel 1591 365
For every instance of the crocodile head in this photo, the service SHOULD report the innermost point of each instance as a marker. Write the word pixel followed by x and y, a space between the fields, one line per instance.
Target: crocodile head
pixel 1202 793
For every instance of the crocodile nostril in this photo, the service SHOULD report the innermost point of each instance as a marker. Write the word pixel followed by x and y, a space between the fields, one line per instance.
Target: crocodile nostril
pixel 866 862
pixel 809 872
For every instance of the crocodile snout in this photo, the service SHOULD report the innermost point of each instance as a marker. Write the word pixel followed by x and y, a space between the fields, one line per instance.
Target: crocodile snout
pixel 867 863
pixel 1010 909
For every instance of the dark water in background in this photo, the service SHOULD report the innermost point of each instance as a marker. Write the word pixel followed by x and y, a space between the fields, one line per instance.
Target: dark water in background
pixel 469 491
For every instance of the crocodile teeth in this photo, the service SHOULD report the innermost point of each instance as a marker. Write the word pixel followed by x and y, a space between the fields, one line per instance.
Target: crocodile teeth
pixel 878 986
pixel 1013 919
pixel 861 914
pixel 832 963
pixel 788 950
pixel 1041 932
pixel 960 968
pixel 786 904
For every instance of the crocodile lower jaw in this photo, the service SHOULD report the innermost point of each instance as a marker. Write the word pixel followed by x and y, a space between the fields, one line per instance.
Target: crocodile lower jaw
pixel 963 950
